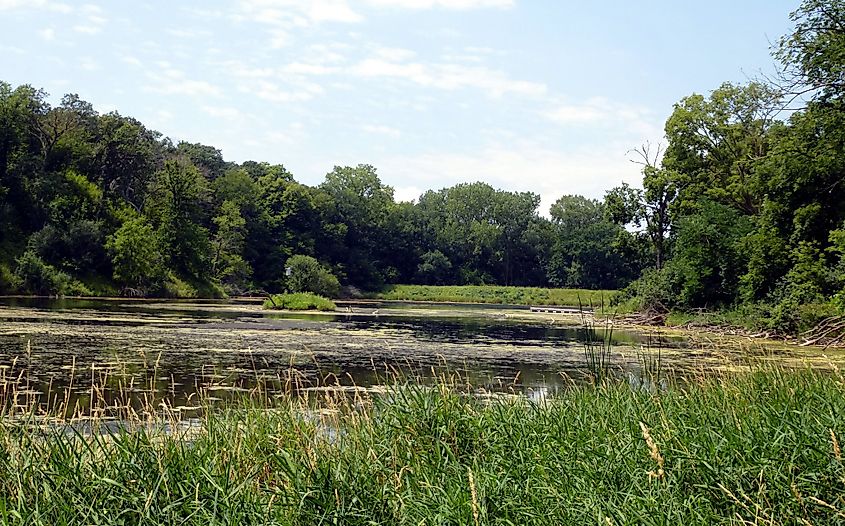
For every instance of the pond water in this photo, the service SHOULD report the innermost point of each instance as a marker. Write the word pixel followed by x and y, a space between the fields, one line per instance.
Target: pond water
pixel 61 347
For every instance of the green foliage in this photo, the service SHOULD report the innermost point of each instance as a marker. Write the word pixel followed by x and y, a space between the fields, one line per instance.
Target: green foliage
pixel 180 193
pixel 136 257
pixel 8 282
pixel 306 274
pixel 34 276
pixel 709 256
pixel 299 301
pixel 227 263
pixel 655 290
pixel 587 252
pixel 495 294
pixel 813 55
pixel 737 449
pixel 434 268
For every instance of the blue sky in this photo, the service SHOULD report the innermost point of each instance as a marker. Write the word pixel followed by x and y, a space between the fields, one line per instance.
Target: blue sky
pixel 530 95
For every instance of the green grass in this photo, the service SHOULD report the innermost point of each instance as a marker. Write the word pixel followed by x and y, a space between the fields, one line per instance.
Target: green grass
pixel 495 294
pixel 760 448
pixel 299 301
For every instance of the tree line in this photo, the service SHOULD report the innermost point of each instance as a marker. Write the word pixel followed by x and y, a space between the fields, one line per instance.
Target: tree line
pixel 100 204
pixel 744 206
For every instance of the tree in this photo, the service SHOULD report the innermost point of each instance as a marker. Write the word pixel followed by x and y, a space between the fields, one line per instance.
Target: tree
pixel 363 204
pixel 306 274
pixel 126 156
pixel 135 255
pixel 813 55
pixel 434 268
pixel 227 263
pixel 585 251
pixel 179 193
pixel 717 144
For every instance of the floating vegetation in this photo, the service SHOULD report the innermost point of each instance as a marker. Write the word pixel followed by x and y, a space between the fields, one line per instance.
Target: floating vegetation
pixel 696 453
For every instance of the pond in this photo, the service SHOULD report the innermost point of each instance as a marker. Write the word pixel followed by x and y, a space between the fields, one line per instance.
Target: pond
pixel 59 348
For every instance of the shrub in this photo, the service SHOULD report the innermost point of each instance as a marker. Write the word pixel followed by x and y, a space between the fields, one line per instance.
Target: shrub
pixel 135 253
pixel 37 277
pixel 434 268
pixel 306 274
pixel 655 290
pixel 299 301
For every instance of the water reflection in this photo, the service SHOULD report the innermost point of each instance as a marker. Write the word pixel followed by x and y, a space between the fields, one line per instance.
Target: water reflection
pixel 59 348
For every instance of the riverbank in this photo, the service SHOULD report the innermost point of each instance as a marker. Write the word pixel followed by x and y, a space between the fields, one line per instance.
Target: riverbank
pixel 764 446
pixel 494 294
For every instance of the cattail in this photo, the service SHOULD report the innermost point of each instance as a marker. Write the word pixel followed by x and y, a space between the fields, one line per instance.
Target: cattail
pixel 653 452
pixel 474 496
pixel 837 452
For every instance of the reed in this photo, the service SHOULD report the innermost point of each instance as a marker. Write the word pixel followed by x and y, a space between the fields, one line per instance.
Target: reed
pixel 492 294
pixel 752 448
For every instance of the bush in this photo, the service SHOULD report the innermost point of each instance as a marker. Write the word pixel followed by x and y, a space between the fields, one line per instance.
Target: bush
pixel 306 274
pixel 37 277
pixel 655 290
pixel 434 268
pixel 136 256
pixel 8 282
pixel 299 301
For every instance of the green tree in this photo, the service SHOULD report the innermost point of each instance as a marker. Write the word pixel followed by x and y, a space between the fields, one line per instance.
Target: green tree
pixel 362 203
pixel 179 194
pixel 136 256
pixel 585 252
pixel 434 268
pixel 813 55
pixel 227 263
pixel 306 274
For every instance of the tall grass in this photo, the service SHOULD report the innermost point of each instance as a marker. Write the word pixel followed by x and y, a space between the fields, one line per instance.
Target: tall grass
pixel 299 301
pixel 492 294
pixel 759 448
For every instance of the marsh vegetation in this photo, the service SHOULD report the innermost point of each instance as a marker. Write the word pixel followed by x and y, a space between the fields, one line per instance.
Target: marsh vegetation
pixel 761 447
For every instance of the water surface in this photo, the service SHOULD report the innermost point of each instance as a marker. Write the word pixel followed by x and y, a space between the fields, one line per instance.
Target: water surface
pixel 179 348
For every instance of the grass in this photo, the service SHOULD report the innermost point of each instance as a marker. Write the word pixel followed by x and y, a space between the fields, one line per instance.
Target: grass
pixel 758 448
pixel 495 294
pixel 299 301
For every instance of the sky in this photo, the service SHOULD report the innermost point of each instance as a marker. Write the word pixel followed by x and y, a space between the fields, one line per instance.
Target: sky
pixel 547 96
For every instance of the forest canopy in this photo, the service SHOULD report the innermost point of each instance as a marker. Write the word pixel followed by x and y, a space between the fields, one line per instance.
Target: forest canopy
pixel 743 206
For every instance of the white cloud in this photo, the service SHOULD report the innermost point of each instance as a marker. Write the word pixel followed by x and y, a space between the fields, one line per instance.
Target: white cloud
pixel 301 68
pixel 129 59
pixel 551 173
pixel 637 121
pixel 406 193
pixel 445 4
pixel 35 4
pixel 223 112
pixel 449 77
pixel 48 33
pixel 380 129
pixel 298 12
pixel 87 29
pixel 188 33
pixel 89 64
pixel 174 82
pixel 272 92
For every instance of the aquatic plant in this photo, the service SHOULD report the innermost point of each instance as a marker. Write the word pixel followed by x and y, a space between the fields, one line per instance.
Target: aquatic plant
pixel 597 341
pixel 299 301
pixel 491 294
pixel 758 448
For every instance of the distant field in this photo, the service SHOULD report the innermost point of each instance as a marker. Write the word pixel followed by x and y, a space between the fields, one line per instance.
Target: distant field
pixel 495 294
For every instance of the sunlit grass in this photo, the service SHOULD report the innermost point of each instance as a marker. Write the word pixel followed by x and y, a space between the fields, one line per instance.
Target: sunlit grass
pixel 496 294
pixel 299 301
pixel 753 448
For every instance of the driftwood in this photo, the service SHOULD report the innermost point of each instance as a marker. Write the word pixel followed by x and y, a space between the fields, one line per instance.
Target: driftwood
pixel 830 332
pixel 654 315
